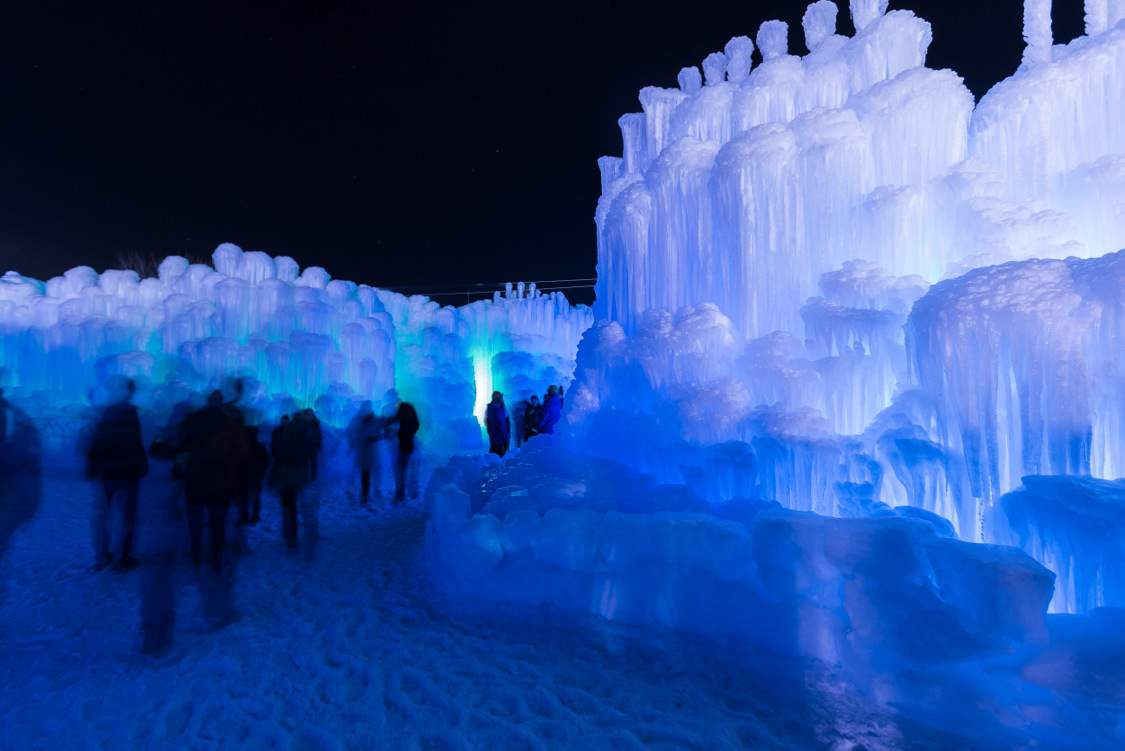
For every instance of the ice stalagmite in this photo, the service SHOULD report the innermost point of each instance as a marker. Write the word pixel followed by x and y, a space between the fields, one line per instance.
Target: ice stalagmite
pixel 1097 16
pixel 1037 34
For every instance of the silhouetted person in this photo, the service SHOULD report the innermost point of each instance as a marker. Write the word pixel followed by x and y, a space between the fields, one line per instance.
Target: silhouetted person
pixel 532 416
pixel 291 472
pixel 214 440
pixel 552 410
pixel 164 541
pixel 406 418
pixel 364 434
pixel 257 464
pixel 498 425
pixel 519 414
pixel 116 457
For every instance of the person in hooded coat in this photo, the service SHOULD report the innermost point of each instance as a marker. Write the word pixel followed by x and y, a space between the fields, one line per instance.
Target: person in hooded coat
pixel 498 424
pixel 552 411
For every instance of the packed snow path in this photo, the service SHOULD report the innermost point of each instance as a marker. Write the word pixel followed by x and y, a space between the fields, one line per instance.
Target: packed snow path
pixel 352 650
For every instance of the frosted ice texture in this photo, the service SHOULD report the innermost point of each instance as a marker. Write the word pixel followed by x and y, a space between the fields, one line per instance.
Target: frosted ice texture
pixel 743 194
pixel 298 337
pixel 819 23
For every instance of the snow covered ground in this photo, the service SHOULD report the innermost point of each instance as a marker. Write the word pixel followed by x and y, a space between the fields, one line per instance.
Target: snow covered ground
pixel 353 650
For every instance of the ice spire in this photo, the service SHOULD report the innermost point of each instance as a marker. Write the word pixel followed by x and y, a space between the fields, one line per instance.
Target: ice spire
pixel 773 39
pixel 714 66
pixel 819 22
pixel 738 52
pixel 1037 31
pixel 689 80
pixel 867 12
pixel 1097 16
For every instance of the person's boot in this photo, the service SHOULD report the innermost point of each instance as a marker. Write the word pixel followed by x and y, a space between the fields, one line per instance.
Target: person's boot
pixel 127 563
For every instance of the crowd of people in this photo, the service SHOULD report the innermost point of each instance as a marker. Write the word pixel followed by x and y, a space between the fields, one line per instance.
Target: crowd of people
pixel 216 466
pixel 530 418
pixel 218 461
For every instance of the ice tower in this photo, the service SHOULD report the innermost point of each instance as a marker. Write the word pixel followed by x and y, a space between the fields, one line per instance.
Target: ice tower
pixel 742 191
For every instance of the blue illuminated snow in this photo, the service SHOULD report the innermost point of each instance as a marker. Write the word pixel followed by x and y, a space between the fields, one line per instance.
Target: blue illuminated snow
pixel 853 393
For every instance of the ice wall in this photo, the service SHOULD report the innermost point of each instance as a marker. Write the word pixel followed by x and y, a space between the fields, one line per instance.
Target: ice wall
pixel 1023 361
pixel 296 337
pixel 296 333
pixel 743 191
pixel 1075 526
pixel 551 527
pixel 449 360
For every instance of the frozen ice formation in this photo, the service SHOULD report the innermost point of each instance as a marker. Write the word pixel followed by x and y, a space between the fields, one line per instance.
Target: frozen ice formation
pixel 744 192
pixel 898 587
pixel 1024 363
pixel 1076 527
pixel 298 337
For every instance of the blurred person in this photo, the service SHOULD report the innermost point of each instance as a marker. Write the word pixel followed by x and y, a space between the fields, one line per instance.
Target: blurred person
pixel 214 441
pixel 552 410
pixel 519 416
pixel 407 423
pixel 291 472
pixel 313 437
pixel 21 463
pixel 257 465
pixel 532 417
pixel 364 434
pixel 498 425
pixel 116 458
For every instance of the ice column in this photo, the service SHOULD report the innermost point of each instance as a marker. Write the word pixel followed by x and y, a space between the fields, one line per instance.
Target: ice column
pixel 867 12
pixel 1037 31
pixel 714 66
pixel 738 52
pixel 1116 12
pixel 1097 16
pixel 689 80
pixel 819 22
pixel 773 39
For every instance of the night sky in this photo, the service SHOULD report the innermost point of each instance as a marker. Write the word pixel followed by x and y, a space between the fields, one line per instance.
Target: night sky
pixel 402 145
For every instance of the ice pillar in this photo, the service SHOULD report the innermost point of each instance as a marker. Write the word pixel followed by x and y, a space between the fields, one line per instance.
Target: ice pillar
pixel 738 52
pixel 819 22
pixel 1037 32
pixel 714 67
pixel 773 39
pixel 867 12
pixel 1097 16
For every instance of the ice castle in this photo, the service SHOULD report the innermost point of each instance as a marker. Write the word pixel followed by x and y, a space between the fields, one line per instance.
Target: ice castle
pixel 847 320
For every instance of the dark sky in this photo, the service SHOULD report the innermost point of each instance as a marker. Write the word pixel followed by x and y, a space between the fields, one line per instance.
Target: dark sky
pixel 395 144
